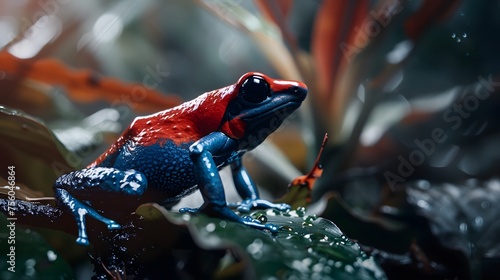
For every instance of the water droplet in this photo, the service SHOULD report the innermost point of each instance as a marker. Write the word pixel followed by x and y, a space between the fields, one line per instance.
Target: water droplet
pixel 210 227
pixel 307 261
pixel 453 35
pixel 307 224
pixel 316 276
pixel 317 267
pixel 30 267
pixel 223 224
pixel 485 204
pixel 458 40
pixel 423 204
pixel 423 184
pixel 272 212
pixel 51 255
pixel 318 237
pixel 463 227
pixel 301 211
pixel 255 249
pixel 478 221
pixel 262 219
pixel 349 269
pixel 286 228
pixel 310 218
pixel 464 35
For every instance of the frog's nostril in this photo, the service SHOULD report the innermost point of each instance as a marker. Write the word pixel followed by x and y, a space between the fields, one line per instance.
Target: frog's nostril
pixel 299 91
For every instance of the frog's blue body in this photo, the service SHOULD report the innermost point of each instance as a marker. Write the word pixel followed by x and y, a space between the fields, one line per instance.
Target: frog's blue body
pixel 165 156
pixel 167 167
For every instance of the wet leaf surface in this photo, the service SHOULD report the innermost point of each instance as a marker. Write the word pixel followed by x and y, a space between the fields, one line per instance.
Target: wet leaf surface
pixel 38 156
pixel 462 217
pixel 306 247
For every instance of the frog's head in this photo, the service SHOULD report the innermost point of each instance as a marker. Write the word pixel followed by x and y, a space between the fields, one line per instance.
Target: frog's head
pixel 260 106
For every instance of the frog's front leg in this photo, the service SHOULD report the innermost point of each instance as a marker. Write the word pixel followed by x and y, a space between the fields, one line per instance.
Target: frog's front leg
pixel 91 182
pixel 248 191
pixel 210 183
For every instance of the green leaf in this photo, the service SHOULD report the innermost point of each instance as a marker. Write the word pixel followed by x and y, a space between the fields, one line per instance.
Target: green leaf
pixel 37 155
pixel 306 247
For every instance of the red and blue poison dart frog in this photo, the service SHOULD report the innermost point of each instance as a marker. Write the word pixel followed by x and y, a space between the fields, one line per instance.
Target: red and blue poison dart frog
pixel 168 155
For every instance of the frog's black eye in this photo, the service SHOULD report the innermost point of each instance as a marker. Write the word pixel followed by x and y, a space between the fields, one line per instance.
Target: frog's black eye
pixel 255 89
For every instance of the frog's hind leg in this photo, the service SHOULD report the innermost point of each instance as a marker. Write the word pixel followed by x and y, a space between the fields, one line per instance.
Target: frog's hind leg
pixel 79 211
pixel 91 183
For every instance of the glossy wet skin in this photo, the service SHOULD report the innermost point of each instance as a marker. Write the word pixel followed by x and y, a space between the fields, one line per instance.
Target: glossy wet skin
pixel 179 149
pixel 262 108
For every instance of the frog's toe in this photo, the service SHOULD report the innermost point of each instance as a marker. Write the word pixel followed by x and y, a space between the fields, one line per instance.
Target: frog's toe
pixel 248 204
pixel 249 221
pixel 114 225
pixel 82 241
pixel 282 206
pixel 244 208
pixel 189 210
pixel 272 228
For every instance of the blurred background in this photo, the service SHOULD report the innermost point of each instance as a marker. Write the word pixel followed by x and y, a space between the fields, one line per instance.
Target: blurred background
pixel 406 90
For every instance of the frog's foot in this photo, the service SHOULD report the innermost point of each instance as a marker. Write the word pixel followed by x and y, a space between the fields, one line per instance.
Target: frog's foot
pixel 224 212
pixel 248 204
pixel 79 211
pixel 189 210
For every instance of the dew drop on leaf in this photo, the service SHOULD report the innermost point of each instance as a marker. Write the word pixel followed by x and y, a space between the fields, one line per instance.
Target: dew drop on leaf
pixel 478 221
pixel 51 256
pixel 210 227
pixel 463 227
pixel 262 219
pixel 286 228
pixel 349 269
pixel 223 224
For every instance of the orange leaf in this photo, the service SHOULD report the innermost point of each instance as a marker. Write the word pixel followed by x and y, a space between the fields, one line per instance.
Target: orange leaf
pixel 335 25
pixel 299 190
pixel 275 11
pixel 84 85
pixel 430 12
pixel 315 172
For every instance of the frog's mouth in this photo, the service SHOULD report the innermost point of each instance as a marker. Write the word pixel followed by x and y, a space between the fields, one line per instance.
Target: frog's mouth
pixel 278 112
pixel 276 109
